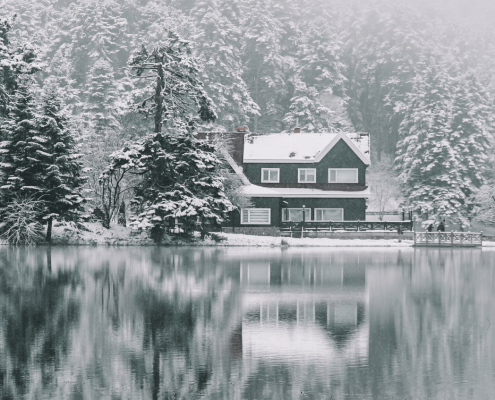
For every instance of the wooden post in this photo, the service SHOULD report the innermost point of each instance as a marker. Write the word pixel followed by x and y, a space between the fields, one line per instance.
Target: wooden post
pixel 303 221
pixel 426 237
pixel 481 238
pixel 414 236
pixel 358 226
pixel 452 238
pixel 439 237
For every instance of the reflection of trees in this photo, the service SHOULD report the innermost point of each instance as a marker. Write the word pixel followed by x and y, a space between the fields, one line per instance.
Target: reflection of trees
pixel 168 323
pixel 431 326
pixel 151 323
pixel 36 317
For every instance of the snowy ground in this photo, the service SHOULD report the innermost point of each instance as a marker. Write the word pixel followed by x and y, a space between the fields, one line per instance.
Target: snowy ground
pixel 93 234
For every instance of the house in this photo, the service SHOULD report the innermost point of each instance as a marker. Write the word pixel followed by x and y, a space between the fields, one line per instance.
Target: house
pixel 294 176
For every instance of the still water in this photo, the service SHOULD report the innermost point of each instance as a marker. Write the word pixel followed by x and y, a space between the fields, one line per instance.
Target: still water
pixel 187 323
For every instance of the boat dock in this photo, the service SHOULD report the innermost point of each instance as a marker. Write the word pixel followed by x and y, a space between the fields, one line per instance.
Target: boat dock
pixel 448 239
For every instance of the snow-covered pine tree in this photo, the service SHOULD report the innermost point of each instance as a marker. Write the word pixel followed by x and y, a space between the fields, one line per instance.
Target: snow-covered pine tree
pixel 101 107
pixel 178 173
pixel 472 129
pixel 428 163
pixel 263 63
pixel 14 61
pixel 382 48
pixel 21 167
pixel 318 69
pixel 60 71
pixel 179 180
pixel 90 30
pixel 306 109
pixel 175 93
pixel 63 182
pixel 218 49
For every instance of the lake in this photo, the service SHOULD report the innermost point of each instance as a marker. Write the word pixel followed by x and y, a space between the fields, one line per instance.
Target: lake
pixel 247 323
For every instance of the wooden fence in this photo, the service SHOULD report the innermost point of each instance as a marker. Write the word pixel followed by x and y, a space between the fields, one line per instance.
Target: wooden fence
pixel 448 239
pixel 358 226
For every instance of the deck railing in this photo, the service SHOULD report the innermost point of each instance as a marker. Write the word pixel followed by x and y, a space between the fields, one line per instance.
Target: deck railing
pixel 448 238
pixel 346 226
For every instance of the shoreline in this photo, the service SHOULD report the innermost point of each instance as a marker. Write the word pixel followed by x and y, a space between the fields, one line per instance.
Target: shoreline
pixel 93 234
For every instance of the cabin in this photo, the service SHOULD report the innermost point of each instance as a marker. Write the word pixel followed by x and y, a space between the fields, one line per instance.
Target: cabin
pixel 298 177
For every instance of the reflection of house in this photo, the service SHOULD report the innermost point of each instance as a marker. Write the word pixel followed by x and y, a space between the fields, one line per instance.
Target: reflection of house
pixel 291 176
pixel 311 310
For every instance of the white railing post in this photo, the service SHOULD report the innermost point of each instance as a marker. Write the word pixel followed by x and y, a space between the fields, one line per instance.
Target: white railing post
pixel 452 238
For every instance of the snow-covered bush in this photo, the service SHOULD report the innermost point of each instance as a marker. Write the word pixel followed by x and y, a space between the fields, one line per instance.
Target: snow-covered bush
pixel 20 224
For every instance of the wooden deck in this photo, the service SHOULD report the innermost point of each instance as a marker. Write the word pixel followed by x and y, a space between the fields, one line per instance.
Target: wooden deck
pixel 448 239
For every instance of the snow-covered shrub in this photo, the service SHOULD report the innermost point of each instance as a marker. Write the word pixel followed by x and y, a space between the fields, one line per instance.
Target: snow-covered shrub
pixel 20 224
pixel 484 200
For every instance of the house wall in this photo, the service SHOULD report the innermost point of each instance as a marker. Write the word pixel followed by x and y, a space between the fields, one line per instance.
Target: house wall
pixel 340 156
pixel 354 209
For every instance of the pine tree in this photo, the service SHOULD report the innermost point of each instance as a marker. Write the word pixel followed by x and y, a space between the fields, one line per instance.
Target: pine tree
pixel 91 30
pixel 472 127
pixel 382 52
pixel 101 106
pixel 62 169
pixel 178 173
pixel 306 110
pixel 427 160
pixel 263 63
pixel 175 94
pixel 21 164
pixel 218 49
pixel 179 180
pixel 14 62
pixel 318 68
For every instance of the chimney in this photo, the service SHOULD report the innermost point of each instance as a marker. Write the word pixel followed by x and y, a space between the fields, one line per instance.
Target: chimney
pixel 297 129
pixel 237 143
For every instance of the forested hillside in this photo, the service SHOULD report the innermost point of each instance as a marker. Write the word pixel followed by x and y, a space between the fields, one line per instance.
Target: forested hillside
pixel 418 77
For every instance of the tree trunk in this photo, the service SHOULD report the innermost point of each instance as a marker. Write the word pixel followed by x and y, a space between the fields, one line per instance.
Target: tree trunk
pixel 122 219
pixel 160 83
pixel 49 230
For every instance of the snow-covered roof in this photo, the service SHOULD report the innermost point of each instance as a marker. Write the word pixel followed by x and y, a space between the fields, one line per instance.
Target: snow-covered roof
pixel 260 191
pixel 301 147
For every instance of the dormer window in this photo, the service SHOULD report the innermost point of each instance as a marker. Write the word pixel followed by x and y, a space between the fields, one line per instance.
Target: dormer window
pixel 307 175
pixel 342 175
pixel 270 175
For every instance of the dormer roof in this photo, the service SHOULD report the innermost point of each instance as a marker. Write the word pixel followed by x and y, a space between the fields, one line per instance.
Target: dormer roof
pixel 301 147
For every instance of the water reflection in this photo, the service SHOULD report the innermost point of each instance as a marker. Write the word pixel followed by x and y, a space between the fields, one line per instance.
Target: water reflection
pixel 151 323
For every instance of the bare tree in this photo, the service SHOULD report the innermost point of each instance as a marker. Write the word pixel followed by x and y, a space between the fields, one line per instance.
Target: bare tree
pixel 383 184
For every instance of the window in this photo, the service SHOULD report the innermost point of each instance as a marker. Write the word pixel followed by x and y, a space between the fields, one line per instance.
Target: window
pixel 329 214
pixel 260 216
pixel 343 175
pixel 307 175
pixel 270 175
pixel 296 214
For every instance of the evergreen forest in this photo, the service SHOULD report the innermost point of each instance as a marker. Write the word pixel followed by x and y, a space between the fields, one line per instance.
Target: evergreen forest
pixel 100 99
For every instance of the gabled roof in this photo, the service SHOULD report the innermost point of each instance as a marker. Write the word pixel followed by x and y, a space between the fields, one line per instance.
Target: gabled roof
pixel 301 147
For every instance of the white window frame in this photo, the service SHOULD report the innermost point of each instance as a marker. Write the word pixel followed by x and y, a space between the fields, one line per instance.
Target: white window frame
pixel 255 223
pixel 284 210
pixel 305 169
pixel 342 169
pixel 270 169
pixel 326 208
